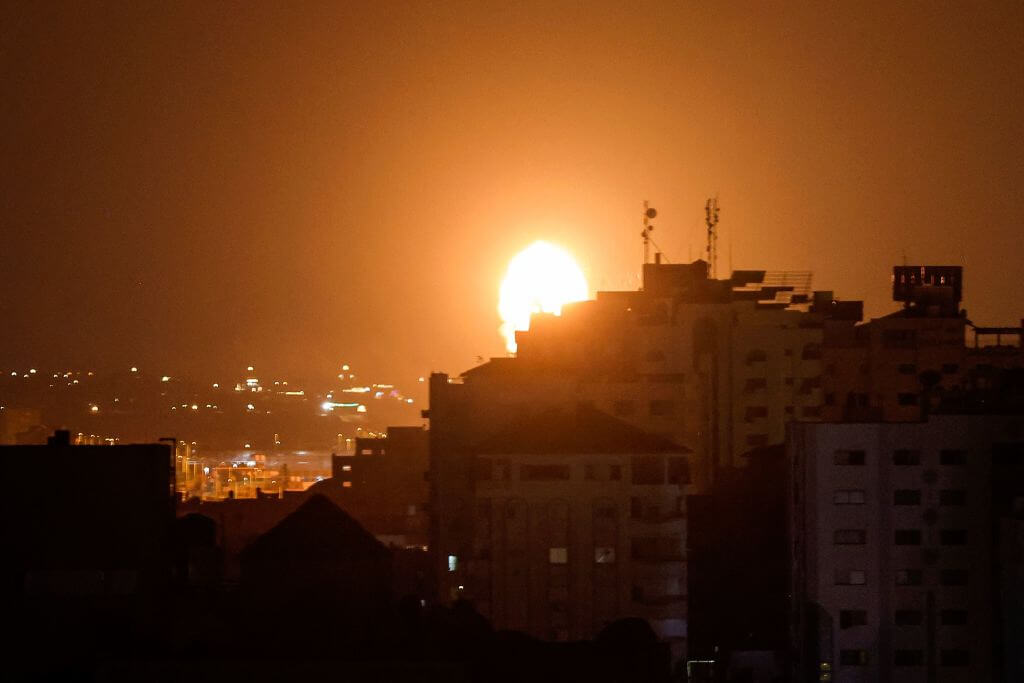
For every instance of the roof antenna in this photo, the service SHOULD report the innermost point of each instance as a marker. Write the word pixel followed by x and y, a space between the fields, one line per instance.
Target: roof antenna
pixel 649 213
pixel 711 220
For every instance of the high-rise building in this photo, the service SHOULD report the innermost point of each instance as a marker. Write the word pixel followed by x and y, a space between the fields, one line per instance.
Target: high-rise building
pixel 906 549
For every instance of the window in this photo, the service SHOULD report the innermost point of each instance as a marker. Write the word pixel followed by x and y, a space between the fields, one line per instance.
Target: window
pixel 848 497
pixel 453 563
pixel 955 658
pixel 811 411
pixel 909 577
pixel 755 412
pixel 849 537
pixel 953 497
pixel 604 555
pixel 558 555
pixel 757 356
pixel 952 457
pixel 648 469
pixel 755 384
pixel 849 457
pixel 906 399
pixel 851 577
pixel 483 470
pixel 811 351
pixel 905 457
pixel 953 577
pixel 907 537
pixel 953 617
pixel 543 472
pixel 906 368
pixel 678 471
pixel 906 497
pixel 853 657
pixel 590 472
pixel 662 407
pixel 848 618
pixel 953 536
pixel 615 472
pixel 830 398
pixel 757 440
pixel 908 617
pixel 908 657
pixel 346 484
pixel 623 408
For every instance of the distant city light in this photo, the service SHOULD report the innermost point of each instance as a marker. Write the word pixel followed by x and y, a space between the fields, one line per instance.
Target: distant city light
pixel 216 386
pixel 165 378
pixel 249 406
pixel 195 407
pixel 32 371
pixel 327 406
pixel 408 400
pixel 249 368
pixel 344 367
pixel 134 369
pixel 361 408
pixel 94 408
pixel 420 379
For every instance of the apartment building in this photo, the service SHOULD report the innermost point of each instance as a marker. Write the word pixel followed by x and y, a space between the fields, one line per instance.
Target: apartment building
pixel 905 541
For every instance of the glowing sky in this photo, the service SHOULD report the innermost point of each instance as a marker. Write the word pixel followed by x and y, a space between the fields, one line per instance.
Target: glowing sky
pixel 189 185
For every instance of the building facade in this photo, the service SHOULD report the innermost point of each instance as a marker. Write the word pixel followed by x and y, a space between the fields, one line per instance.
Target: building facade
pixel 903 548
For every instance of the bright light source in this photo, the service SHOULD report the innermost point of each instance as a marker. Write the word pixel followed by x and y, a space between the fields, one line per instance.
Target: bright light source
pixel 249 406
pixel 327 406
pixel 344 367
pixel 94 409
pixel 249 368
pixel 165 378
pixel 361 408
pixel 540 279
pixel 32 371
pixel 453 563
pixel 134 369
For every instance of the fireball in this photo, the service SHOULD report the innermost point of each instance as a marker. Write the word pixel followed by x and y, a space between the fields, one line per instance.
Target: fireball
pixel 540 279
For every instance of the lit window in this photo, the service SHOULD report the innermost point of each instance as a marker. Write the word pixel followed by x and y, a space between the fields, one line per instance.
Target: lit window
pixel 558 555
pixel 604 555
pixel 346 484
pixel 453 563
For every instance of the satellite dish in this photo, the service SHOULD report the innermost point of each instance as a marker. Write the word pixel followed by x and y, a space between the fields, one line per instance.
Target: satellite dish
pixel 651 213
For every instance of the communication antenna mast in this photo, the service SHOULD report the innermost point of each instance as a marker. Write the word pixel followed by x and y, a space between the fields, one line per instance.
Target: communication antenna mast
pixel 711 220
pixel 649 213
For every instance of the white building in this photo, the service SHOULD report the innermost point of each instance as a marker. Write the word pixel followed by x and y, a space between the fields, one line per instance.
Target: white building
pixel 906 549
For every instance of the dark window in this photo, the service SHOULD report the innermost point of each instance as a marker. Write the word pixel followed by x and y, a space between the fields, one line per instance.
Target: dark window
pixel 811 351
pixel 955 658
pixel 543 472
pixel 907 368
pixel 754 412
pixel 909 577
pixel 907 536
pixel 953 577
pixel 809 384
pixel 636 507
pixel 906 457
pixel 849 537
pixel 830 398
pixel 615 472
pixel 662 407
pixel 678 470
pixel 757 440
pixel 952 457
pixel 755 384
pixel 906 497
pixel 906 399
pixel 853 657
pixel 623 408
pixel 590 472
pixel 950 368
pixel 953 536
pixel 648 469
pixel 848 618
pixel 848 497
pixel 908 617
pixel 953 497
pixel 757 356
pixel 953 617
pixel 908 657
pixel 852 577
pixel 849 457
pixel 483 468
pixel 811 411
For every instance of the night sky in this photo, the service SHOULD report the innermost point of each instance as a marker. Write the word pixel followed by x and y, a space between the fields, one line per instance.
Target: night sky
pixel 193 186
